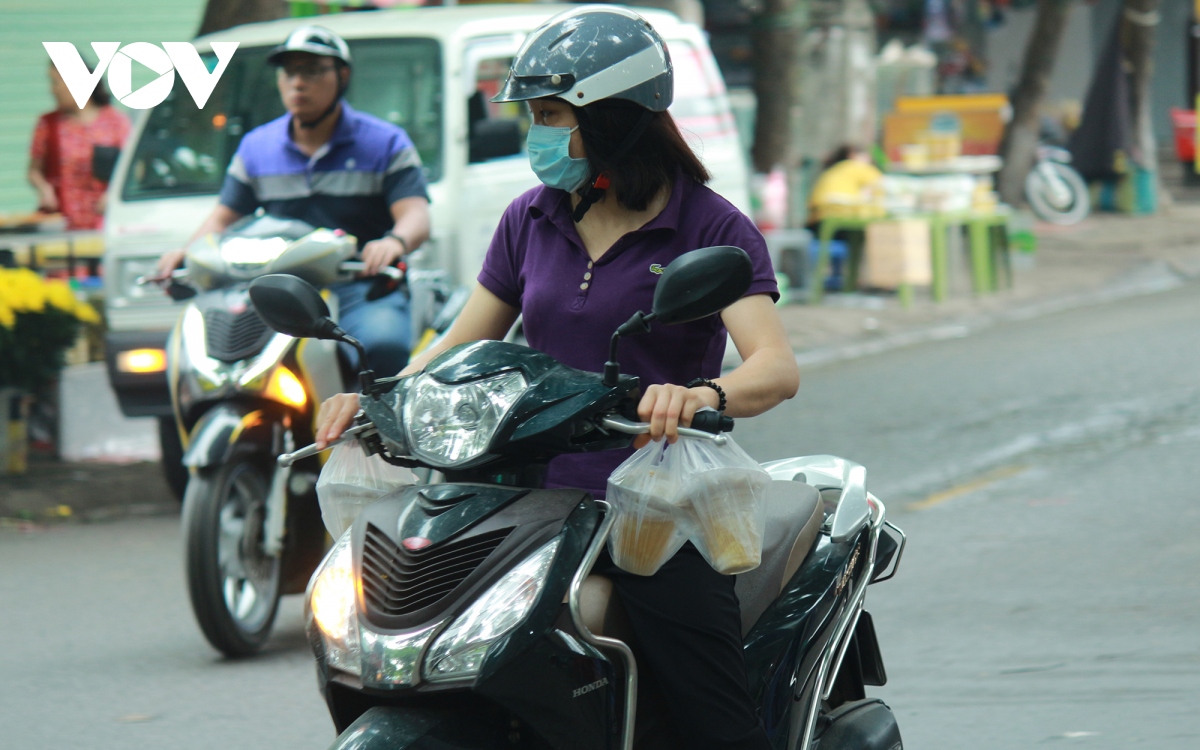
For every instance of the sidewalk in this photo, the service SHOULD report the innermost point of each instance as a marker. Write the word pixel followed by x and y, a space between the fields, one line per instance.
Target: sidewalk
pixel 1104 257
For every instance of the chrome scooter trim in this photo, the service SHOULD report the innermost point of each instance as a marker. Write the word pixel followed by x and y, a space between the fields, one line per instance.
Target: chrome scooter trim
pixel 277 502
pixel 860 597
pixel 599 641
pixel 824 682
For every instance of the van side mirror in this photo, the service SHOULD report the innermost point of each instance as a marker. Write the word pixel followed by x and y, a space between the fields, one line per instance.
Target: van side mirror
pixel 494 139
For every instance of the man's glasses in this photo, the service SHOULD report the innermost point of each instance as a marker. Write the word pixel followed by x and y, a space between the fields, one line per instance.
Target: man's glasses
pixel 308 72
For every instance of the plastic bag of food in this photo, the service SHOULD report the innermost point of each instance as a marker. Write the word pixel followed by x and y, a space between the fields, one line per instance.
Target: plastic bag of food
pixel 351 480
pixel 726 493
pixel 649 528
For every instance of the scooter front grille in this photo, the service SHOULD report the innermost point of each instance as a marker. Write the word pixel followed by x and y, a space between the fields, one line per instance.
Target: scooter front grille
pixel 397 581
pixel 231 337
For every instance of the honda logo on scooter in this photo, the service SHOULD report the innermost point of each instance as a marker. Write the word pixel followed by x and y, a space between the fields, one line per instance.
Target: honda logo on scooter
pixel 118 62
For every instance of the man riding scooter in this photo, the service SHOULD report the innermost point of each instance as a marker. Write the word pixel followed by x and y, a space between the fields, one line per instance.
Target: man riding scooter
pixel 331 166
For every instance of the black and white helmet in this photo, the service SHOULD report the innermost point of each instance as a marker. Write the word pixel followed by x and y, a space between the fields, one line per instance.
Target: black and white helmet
pixel 591 53
pixel 315 40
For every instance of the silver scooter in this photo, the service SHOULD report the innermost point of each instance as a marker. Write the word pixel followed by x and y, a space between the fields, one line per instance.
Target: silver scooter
pixel 242 394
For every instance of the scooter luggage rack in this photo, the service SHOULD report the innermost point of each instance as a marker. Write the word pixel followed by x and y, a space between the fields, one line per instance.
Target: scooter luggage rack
pixel 599 641
pixel 823 685
pixel 618 424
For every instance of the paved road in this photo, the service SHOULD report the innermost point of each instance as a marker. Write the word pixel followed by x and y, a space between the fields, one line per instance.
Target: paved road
pixel 1045 473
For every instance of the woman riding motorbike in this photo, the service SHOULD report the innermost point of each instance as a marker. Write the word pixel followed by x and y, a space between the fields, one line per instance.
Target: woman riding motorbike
pixel 623 196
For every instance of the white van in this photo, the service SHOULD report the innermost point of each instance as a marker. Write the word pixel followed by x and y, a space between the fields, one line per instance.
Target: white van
pixel 429 70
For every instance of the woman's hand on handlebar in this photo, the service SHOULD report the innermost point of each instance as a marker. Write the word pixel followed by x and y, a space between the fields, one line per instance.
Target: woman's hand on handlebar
pixel 334 417
pixel 667 407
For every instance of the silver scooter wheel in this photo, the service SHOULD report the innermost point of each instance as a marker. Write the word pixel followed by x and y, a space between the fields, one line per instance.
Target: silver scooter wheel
pixel 1056 193
pixel 233 584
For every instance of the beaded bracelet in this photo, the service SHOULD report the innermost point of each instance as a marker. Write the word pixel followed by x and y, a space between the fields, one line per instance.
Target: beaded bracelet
pixel 705 381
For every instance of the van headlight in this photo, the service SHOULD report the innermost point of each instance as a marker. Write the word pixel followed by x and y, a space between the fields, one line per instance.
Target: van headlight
pixel 331 597
pixel 449 425
pixel 461 648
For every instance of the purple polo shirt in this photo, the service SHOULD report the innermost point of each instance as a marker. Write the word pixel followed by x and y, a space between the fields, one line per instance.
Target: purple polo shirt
pixel 571 306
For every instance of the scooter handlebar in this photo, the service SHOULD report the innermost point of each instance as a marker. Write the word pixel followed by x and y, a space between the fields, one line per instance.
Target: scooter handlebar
pixel 357 266
pixel 361 430
pixel 179 274
pixel 620 424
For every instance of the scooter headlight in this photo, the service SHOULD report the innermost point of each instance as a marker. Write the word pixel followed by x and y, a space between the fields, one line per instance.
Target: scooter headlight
pixel 331 597
pixel 460 650
pixel 449 425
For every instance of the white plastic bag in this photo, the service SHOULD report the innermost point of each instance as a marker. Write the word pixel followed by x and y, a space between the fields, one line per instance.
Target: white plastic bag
pixel 727 494
pixel 351 480
pixel 649 528
pixel 713 495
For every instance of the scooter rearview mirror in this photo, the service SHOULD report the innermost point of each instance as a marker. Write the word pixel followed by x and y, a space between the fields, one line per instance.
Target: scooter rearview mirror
pixel 695 285
pixel 291 305
pixel 701 283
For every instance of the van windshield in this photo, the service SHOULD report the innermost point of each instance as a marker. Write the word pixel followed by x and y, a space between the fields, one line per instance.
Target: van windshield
pixel 185 151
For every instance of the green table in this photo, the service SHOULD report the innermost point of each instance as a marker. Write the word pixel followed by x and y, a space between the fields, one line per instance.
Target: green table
pixel 987 257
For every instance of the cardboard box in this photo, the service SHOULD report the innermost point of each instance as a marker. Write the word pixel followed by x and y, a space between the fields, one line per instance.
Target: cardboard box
pixel 895 253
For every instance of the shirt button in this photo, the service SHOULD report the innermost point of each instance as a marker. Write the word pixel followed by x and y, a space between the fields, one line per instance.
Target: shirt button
pixel 587 276
pixel 584 285
pixel 590 264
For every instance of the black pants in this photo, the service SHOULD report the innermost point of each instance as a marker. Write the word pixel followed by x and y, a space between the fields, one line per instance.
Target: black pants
pixel 688 626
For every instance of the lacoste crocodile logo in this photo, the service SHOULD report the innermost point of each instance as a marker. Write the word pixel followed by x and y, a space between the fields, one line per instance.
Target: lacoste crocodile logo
pixel 656 268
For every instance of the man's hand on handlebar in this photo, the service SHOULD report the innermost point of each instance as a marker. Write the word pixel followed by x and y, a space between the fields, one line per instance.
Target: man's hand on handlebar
pixel 334 417
pixel 381 253
pixel 169 261
pixel 667 407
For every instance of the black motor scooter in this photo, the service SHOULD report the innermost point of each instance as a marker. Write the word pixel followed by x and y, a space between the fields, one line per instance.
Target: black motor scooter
pixel 463 615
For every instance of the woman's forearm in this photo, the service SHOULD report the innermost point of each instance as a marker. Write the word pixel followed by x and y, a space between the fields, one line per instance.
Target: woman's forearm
pixel 484 316
pixel 37 178
pixel 765 380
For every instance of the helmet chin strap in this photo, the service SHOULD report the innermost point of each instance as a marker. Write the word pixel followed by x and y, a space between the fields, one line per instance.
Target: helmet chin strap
pixel 317 121
pixel 599 183
pixel 328 110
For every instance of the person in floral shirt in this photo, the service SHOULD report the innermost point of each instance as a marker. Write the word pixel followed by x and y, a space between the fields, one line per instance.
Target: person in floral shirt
pixel 60 158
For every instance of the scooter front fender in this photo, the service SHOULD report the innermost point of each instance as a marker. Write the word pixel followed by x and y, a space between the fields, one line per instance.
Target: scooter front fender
pixel 219 431
pixel 401 728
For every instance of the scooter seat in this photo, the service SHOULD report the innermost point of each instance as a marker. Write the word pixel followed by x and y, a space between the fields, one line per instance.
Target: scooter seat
pixel 794 516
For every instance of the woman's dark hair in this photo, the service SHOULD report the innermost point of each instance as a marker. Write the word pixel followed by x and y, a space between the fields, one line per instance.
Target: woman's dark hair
pixel 650 163
pixel 840 154
pixel 100 96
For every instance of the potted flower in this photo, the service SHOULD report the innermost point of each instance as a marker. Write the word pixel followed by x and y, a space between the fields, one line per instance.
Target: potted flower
pixel 39 321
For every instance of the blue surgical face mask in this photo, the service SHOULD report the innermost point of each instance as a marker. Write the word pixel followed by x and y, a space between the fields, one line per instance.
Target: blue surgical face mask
pixel 550 157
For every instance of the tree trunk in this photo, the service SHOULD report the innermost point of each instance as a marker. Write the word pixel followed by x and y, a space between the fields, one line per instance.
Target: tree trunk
pixel 1019 146
pixel 775 39
pixel 1138 24
pixel 222 14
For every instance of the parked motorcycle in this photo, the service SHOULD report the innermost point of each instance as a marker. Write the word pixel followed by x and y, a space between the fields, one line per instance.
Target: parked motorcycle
pixel 242 395
pixel 464 614
pixel 1055 191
